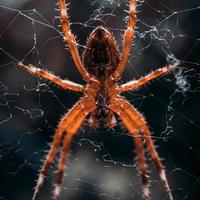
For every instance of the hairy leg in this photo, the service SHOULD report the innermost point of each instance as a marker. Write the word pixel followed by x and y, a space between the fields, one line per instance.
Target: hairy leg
pixel 77 110
pixel 140 122
pixel 65 84
pixel 135 84
pixel 71 130
pixel 128 37
pixel 132 128
pixel 71 41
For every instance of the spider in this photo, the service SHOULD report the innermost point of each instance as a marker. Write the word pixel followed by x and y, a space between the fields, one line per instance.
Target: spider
pixel 101 66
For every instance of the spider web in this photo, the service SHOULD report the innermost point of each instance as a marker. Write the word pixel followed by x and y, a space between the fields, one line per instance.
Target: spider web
pixel 102 163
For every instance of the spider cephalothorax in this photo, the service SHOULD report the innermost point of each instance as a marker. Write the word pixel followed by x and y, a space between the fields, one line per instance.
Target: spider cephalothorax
pixel 101 68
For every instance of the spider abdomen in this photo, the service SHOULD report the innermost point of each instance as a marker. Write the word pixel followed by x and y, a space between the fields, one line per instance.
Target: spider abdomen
pixel 101 55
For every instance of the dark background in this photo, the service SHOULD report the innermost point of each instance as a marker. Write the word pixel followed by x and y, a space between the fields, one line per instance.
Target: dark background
pixel 102 162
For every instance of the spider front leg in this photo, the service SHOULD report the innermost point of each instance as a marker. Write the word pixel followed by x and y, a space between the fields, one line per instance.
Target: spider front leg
pixel 71 130
pixel 135 84
pixel 128 38
pixel 71 41
pixel 65 84
pixel 134 131
pixel 131 117
pixel 74 117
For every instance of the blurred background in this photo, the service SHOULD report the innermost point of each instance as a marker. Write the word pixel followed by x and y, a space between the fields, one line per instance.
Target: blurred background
pixel 102 163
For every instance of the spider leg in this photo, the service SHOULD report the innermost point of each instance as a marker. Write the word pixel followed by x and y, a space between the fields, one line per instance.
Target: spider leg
pixel 65 84
pixel 120 105
pixel 71 41
pixel 135 84
pixel 133 130
pixel 128 37
pixel 77 110
pixel 71 130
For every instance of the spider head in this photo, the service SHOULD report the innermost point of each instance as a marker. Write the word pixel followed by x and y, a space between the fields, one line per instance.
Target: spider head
pixel 101 55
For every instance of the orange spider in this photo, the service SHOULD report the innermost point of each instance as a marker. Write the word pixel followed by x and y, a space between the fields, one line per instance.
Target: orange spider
pixel 101 67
